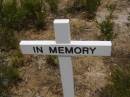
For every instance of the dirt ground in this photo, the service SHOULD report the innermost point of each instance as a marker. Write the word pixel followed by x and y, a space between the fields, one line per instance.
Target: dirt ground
pixel 90 73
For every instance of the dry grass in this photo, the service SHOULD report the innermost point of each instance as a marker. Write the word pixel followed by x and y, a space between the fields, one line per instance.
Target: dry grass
pixel 90 73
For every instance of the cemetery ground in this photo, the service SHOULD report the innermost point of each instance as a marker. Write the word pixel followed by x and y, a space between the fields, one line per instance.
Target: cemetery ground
pixel 92 75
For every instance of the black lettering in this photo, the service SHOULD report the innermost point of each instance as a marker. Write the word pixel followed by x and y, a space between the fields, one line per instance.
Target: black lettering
pixel 61 50
pixel 92 50
pixel 34 50
pixel 54 50
pixel 69 50
pixel 77 50
pixel 38 49
pixel 85 50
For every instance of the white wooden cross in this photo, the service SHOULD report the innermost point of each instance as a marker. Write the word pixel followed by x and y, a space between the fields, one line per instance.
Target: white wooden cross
pixel 65 48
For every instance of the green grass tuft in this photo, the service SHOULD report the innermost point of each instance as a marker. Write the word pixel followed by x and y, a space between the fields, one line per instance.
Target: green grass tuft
pixel 120 83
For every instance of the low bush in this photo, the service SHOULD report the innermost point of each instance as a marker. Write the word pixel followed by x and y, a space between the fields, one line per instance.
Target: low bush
pixel 106 28
pixel 23 14
pixel 53 4
pixel 9 43
pixel 111 8
pixel 34 12
pixel 40 22
pixel 90 6
pixel 8 75
pixel 6 13
pixel 16 58
pixel 29 13
pixel 8 39
pixel 120 83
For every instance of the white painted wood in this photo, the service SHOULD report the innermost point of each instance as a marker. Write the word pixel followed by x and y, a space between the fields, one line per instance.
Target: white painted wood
pixel 62 34
pixel 103 48
pixel 51 42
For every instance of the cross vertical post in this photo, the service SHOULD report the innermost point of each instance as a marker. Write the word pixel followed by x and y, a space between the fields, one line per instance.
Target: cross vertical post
pixel 64 48
pixel 62 34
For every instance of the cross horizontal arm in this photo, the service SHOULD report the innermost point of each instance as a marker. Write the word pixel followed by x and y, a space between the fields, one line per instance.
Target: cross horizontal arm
pixel 87 48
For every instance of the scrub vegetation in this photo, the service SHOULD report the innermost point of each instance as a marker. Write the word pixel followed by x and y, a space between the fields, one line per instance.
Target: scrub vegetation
pixel 8 39
pixel 52 61
pixel 119 83
pixel 32 75
pixel 53 5
pixel 89 6
pixel 10 60
pixel 21 14
pixel 9 75
pixel 18 16
pixel 106 28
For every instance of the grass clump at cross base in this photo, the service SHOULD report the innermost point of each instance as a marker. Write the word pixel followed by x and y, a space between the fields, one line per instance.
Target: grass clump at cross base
pixel 120 83
pixel 89 6
pixel 52 61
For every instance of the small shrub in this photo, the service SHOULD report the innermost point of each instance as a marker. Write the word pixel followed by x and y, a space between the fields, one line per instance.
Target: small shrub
pixel 111 8
pixel 40 21
pixel 11 16
pixel 90 6
pixel 107 25
pixel 53 5
pixel 8 75
pixel 34 12
pixel 106 28
pixel 28 14
pixel 8 10
pixel 52 61
pixel 16 58
pixel 120 83
pixel 1 4
pixel 7 39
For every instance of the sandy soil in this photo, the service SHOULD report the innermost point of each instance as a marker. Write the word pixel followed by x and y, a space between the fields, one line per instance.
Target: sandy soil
pixel 90 73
